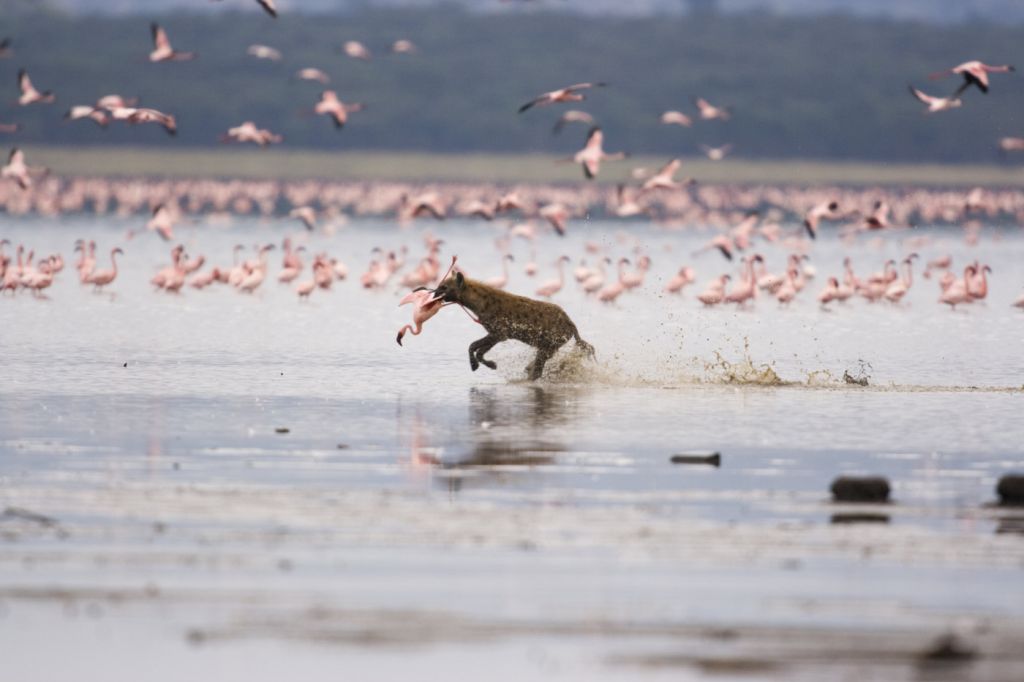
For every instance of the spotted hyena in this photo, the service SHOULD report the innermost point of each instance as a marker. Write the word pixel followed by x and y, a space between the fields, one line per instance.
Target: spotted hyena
pixel 505 316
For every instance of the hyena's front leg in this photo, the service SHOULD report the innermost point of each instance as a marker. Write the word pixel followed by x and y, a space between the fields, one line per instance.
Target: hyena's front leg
pixel 477 350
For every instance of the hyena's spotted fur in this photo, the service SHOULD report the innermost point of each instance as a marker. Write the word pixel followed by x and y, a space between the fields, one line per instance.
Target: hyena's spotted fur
pixel 545 326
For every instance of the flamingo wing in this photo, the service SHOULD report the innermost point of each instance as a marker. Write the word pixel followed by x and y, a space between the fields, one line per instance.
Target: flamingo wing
pixel 268 5
pixel 160 40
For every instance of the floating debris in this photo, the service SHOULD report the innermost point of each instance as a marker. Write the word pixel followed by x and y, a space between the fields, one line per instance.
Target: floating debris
pixel 28 515
pixel 859 518
pixel 710 458
pixel 860 489
pixel 1011 490
pixel 948 649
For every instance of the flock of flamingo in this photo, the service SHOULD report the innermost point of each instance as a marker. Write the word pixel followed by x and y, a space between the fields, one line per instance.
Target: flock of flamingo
pixel 741 217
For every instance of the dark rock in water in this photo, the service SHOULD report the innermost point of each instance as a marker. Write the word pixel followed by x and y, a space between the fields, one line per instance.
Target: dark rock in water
pixel 282 429
pixel 342 446
pixel 860 489
pixel 710 458
pixel 125 364
pixel 1011 525
pixel 859 518
pixel 1011 490
pixel 948 649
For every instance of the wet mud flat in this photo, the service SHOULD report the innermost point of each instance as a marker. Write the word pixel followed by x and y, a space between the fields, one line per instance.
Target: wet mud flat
pixel 585 585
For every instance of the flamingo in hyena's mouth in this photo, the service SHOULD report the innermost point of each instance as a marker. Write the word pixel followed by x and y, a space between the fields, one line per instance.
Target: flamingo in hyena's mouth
pixel 425 306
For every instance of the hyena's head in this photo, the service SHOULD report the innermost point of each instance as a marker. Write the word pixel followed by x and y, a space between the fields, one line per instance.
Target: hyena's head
pixel 450 290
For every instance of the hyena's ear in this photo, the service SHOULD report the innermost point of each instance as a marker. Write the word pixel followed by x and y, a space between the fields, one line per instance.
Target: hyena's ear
pixel 460 279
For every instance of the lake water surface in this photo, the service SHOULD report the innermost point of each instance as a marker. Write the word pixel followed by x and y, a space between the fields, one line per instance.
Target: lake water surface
pixel 419 519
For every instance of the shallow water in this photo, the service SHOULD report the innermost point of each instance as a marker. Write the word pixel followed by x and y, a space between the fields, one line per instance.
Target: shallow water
pixel 547 515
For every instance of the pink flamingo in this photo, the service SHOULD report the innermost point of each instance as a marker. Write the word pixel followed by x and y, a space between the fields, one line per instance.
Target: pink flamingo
pixel 829 293
pixel 683 277
pixel 632 280
pixel 900 286
pixel 615 289
pixel 957 292
pixel 746 289
pixel 425 306
pixel 593 283
pixel 501 281
pixel 977 285
pixel 101 278
pixel 714 293
pixel 205 279
pixel 552 287
pixel 788 291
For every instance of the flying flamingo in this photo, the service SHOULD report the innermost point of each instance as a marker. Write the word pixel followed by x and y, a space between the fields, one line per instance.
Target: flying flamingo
pixel 974 73
pixel 592 154
pixel 248 132
pixel 663 179
pixel 828 210
pixel 709 112
pixel 101 278
pixel 935 104
pixel 403 46
pixel 552 287
pixel 162 222
pixel 29 95
pixel 567 94
pixel 268 6
pixel 264 52
pixel 676 118
pixel 162 50
pixel 133 116
pixel 312 74
pixel 557 215
pixel 572 116
pixel 330 105
pixel 356 50
pixel 716 153
pixel 16 169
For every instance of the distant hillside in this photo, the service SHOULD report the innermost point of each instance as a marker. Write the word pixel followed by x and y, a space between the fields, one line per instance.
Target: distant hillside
pixel 824 87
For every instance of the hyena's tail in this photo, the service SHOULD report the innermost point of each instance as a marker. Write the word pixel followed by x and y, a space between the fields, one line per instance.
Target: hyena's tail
pixel 587 348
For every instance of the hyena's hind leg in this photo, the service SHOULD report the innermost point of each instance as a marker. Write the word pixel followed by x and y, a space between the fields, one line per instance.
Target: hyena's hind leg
pixel 477 350
pixel 536 368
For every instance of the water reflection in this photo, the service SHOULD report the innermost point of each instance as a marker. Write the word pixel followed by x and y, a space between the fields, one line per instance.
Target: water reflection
pixel 511 431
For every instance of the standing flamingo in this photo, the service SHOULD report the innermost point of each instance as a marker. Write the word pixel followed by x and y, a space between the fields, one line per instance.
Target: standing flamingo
pixel 101 278
pixel 501 281
pixel 552 287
